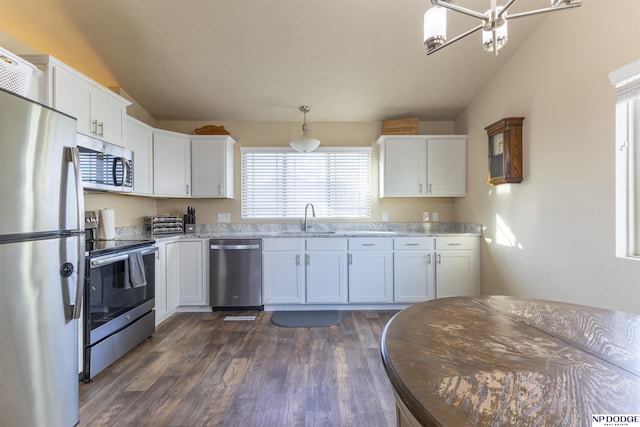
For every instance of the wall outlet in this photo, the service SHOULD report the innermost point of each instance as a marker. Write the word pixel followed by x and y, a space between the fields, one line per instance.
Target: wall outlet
pixel 385 216
pixel 435 216
pixel 224 217
pixel 425 216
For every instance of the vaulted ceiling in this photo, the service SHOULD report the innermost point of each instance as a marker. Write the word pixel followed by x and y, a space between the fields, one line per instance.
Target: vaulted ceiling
pixel 259 60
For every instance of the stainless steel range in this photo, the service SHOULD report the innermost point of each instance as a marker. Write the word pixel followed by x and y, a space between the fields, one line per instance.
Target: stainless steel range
pixel 119 300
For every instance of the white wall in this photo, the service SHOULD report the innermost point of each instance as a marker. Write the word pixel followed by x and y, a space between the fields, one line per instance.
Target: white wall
pixel 552 236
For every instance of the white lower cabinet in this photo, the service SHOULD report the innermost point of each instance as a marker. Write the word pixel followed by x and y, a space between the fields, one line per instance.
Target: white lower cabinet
pixel 166 299
pixel 457 266
pixel 326 271
pixel 413 269
pixel 370 270
pixel 282 271
pixel 297 271
pixel 191 283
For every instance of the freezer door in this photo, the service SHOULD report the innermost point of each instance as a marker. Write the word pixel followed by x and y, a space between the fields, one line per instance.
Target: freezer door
pixel 39 350
pixel 37 180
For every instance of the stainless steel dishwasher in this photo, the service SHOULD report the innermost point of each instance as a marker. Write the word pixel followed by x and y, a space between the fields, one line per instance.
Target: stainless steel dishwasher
pixel 235 271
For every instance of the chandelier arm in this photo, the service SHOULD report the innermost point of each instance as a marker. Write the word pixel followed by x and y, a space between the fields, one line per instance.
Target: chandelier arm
pixel 464 10
pixel 505 7
pixel 455 39
pixel 545 10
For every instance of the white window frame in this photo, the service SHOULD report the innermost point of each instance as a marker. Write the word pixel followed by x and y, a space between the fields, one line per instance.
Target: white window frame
pixel 627 157
pixel 348 197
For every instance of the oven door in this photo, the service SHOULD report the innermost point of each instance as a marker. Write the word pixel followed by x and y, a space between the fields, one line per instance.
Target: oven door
pixel 110 302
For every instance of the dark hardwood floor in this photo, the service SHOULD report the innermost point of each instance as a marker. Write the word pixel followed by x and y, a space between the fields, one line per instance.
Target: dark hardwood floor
pixel 199 370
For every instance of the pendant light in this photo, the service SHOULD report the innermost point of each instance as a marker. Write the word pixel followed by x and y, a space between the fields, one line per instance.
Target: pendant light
pixel 305 144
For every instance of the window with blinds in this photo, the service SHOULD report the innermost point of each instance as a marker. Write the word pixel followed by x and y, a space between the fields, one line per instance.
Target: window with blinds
pixel 278 182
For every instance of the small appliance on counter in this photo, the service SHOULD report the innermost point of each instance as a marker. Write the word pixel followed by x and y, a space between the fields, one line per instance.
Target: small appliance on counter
pixel 165 224
pixel 190 220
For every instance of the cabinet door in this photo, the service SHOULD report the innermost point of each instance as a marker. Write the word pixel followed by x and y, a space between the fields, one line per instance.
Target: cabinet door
pixel 326 273
pixel 454 273
pixel 403 164
pixel 172 275
pixel 283 277
pixel 161 284
pixel 212 167
pixel 171 164
pixel 139 139
pixel 191 271
pixel 447 166
pixel 413 276
pixel 370 276
pixel 72 95
pixel 109 115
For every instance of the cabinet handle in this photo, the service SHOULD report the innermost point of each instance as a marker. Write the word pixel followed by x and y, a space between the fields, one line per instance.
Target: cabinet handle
pixel 101 129
pixel 307 259
pixel 439 259
pixel 297 259
pixel 428 258
pixel 429 188
pixel 187 189
pixel 349 259
pixel 454 244
pixel 412 244
pixel 94 127
pixel 368 244
pixel 420 188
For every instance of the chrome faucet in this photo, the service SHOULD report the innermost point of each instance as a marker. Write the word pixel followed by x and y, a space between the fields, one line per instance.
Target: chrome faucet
pixel 313 212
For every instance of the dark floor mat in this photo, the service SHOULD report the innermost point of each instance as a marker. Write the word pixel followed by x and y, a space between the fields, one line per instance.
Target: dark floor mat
pixel 305 319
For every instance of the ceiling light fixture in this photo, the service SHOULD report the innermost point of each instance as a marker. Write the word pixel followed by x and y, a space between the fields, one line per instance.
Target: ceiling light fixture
pixel 305 144
pixel 493 26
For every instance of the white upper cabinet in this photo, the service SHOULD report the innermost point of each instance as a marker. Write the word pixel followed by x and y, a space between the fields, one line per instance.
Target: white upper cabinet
pixel 423 165
pixel 139 139
pixel 100 112
pixel 171 164
pixel 212 166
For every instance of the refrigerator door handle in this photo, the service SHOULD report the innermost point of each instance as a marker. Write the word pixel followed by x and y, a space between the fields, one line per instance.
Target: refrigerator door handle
pixel 75 160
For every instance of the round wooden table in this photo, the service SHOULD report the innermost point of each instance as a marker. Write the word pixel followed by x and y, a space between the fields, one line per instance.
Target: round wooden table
pixel 511 361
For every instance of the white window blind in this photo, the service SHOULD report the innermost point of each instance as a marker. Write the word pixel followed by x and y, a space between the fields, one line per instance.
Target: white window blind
pixel 278 182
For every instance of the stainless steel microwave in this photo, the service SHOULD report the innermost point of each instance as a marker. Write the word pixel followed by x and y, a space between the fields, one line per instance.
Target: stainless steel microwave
pixel 105 166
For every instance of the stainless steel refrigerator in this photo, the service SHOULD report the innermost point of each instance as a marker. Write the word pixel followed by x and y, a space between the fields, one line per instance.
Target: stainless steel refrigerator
pixel 41 265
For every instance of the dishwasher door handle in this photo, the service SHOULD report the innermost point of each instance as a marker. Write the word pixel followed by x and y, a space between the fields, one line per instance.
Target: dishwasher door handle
pixel 235 247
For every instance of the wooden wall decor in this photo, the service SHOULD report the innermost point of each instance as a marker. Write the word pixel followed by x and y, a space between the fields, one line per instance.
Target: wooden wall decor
pixel 211 130
pixel 505 151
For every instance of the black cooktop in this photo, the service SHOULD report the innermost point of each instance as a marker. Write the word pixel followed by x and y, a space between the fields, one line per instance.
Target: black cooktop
pixel 105 247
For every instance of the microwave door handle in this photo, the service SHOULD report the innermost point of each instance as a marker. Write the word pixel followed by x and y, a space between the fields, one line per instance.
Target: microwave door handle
pixel 123 162
pixel 75 160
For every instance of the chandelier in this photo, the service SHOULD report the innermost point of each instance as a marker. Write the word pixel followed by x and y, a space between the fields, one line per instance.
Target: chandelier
pixel 305 144
pixel 493 25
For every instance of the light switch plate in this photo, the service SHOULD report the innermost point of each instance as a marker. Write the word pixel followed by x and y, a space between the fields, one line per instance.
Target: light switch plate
pixel 435 216
pixel 385 216
pixel 425 216
pixel 224 217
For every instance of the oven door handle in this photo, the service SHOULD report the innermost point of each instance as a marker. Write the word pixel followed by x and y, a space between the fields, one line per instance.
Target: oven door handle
pixel 102 261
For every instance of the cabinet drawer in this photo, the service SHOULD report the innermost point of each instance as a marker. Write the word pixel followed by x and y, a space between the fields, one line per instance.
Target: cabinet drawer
pixel 283 244
pixel 456 242
pixel 326 244
pixel 370 244
pixel 410 243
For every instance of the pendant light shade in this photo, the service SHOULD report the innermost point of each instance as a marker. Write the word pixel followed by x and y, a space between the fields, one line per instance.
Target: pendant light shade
pixel 435 27
pixel 305 144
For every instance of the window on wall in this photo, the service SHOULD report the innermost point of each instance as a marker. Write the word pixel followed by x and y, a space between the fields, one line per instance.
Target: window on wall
pixel 627 82
pixel 278 182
